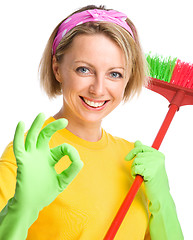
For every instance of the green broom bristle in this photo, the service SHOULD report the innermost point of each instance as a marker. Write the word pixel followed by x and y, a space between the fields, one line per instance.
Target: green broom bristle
pixel 160 67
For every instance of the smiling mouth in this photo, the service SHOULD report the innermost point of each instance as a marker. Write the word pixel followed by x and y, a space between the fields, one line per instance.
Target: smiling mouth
pixel 92 103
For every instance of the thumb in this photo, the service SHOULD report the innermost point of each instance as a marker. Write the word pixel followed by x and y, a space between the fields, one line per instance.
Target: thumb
pixel 134 151
pixel 68 175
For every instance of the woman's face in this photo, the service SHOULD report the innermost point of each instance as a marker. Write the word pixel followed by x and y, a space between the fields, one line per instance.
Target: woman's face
pixel 92 74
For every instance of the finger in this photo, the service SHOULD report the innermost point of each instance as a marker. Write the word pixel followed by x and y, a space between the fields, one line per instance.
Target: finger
pixel 145 158
pixel 142 171
pixel 47 132
pixel 144 148
pixel 137 170
pixel 139 159
pixel 138 143
pixel 67 176
pixel 133 152
pixel 33 132
pixel 63 150
pixel 139 148
pixel 18 141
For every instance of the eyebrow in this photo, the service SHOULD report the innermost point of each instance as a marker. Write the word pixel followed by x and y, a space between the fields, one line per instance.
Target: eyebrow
pixel 81 61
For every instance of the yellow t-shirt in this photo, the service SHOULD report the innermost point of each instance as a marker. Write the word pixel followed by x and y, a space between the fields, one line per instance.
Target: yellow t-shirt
pixel 86 208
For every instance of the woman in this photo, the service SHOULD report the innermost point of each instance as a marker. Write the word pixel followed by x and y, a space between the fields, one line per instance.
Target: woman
pixel 94 59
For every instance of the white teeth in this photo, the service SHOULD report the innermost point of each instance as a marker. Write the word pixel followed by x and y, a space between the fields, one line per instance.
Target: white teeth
pixel 94 104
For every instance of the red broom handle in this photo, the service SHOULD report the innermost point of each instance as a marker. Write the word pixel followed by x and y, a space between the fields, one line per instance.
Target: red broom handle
pixel 173 108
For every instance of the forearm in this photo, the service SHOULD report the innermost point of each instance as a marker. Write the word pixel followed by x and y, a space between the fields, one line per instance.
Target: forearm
pixel 15 221
pixel 164 224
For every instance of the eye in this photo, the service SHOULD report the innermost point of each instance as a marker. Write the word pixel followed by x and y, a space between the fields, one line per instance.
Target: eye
pixel 82 70
pixel 116 75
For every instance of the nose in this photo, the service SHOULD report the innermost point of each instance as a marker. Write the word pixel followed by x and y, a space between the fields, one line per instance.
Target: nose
pixel 97 87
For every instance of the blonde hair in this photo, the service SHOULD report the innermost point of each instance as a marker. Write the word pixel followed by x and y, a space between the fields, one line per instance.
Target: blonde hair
pixel 135 60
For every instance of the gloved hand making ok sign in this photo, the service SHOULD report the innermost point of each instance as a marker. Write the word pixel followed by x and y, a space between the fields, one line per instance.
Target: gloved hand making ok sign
pixel 37 184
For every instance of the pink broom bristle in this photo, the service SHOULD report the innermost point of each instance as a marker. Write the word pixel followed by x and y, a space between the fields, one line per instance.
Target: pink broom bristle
pixel 183 74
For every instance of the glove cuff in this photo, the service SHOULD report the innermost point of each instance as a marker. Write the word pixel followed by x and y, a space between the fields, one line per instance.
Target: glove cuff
pixel 164 222
pixel 15 221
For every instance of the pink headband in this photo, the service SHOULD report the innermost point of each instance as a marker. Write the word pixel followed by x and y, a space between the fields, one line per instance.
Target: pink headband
pixel 90 16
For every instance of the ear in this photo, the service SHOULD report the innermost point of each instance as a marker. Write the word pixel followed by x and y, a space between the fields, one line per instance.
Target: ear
pixel 56 70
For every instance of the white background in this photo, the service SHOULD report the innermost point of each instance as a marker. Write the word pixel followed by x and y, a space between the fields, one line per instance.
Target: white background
pixel 165 27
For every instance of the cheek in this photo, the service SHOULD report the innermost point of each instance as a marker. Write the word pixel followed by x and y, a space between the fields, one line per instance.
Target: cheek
pixel 118 91
pixel 69 84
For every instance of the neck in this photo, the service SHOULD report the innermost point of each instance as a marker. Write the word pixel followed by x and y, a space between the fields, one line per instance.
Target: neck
pixel 88 131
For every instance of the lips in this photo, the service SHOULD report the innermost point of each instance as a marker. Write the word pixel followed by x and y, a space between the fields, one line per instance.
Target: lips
pixel 95 104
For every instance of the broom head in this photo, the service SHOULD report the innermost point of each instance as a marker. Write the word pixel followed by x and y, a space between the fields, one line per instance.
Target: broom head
pixel 171 77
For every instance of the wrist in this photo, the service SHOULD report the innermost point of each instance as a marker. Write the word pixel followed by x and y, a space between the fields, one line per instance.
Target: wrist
pixel 158 190
pixel 15 221
pixel 160 201
pixel 164 222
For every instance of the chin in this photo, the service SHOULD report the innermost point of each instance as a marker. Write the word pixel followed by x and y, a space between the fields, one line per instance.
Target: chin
pixel 92 119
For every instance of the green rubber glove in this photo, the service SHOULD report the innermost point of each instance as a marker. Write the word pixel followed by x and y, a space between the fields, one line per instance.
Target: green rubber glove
pixel 37 184
pixel 150 164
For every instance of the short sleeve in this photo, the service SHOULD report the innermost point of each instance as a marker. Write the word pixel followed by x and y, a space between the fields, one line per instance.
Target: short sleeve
pixel 8 171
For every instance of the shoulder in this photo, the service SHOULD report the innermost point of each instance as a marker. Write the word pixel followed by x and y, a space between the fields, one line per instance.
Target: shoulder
pixel 121 142
pixel 8 155
pixel 47 121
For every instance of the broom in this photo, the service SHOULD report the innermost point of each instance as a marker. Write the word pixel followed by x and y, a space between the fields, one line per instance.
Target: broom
pixel 173 79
